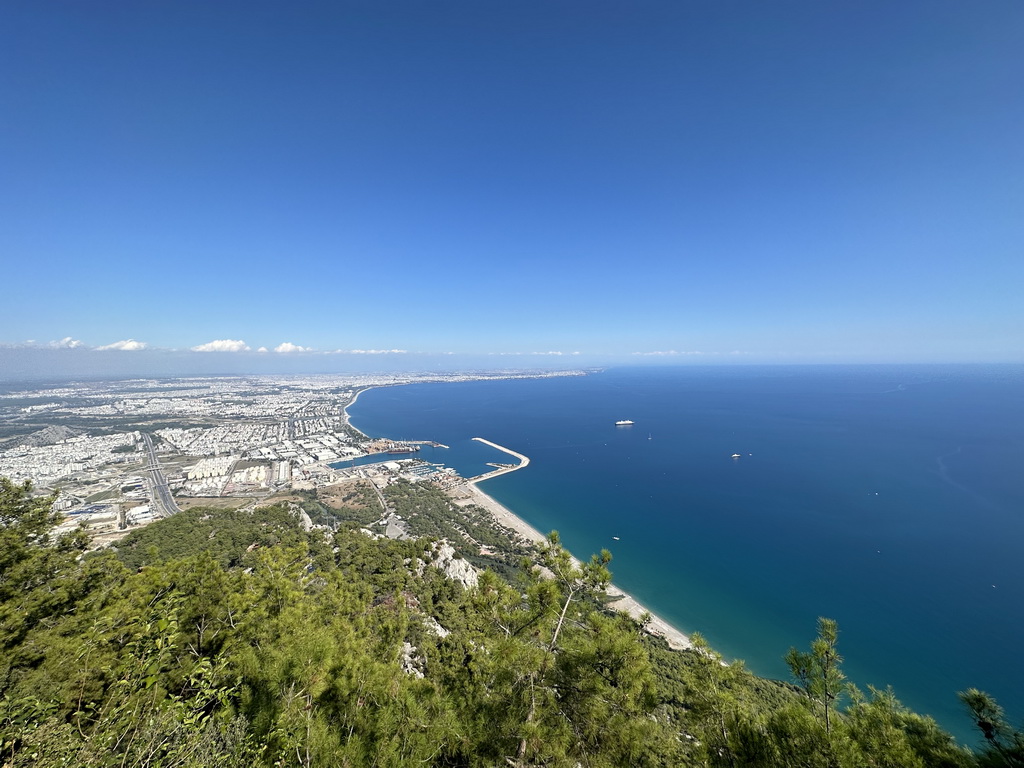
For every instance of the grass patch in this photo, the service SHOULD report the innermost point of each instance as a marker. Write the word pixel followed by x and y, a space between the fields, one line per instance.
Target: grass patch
pixel 215 502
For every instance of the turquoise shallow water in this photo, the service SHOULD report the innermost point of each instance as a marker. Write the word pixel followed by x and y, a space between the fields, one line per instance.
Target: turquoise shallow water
pixel 889 498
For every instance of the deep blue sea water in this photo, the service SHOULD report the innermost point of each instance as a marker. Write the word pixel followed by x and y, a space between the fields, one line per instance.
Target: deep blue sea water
pixel 888 498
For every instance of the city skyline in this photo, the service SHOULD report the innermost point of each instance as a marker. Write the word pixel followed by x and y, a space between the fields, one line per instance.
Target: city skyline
pixel 348 186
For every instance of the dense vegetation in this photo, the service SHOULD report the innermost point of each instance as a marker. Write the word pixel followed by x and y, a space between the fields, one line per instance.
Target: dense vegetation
pixel 235 638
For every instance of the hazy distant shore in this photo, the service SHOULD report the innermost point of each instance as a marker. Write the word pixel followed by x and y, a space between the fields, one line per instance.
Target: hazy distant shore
pixel 441 378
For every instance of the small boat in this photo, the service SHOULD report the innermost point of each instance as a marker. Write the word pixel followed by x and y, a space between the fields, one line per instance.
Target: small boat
pixel 615 537
pixel 623 423
pixel 735 456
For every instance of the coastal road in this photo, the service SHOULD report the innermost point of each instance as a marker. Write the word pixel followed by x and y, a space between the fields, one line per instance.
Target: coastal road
pixel 163 502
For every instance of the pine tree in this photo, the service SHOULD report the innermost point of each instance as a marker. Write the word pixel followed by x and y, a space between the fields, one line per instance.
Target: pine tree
pixel 818 672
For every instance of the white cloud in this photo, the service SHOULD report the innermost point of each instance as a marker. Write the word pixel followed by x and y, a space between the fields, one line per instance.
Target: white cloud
pixel 287 347
pixel 66 343
pixel 128 345
pixel 262 349
pixel 223 345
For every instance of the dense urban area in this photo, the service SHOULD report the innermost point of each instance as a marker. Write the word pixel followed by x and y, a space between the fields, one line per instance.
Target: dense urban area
pixel 120 454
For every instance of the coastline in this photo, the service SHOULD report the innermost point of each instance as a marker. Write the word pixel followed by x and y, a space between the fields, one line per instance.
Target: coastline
pixel 471 493
pixel 347 418
pixel 739 624
pixel 462 377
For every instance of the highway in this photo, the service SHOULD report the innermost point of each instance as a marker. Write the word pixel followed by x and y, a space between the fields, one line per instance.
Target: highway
pixel 160 494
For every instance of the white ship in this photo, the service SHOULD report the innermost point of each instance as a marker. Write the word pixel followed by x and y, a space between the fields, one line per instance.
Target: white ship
pixel 623 423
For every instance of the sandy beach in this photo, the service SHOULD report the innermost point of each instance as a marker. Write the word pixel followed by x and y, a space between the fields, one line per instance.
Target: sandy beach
pixel 344 411
pixel 469 493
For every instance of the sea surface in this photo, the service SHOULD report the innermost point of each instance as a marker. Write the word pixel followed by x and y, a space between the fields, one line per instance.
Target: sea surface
pixel 890 498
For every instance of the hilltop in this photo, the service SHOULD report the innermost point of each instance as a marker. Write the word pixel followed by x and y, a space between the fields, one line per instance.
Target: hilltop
pixel 241 637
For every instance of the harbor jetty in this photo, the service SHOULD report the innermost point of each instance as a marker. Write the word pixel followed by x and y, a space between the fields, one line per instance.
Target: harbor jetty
pixel 502 469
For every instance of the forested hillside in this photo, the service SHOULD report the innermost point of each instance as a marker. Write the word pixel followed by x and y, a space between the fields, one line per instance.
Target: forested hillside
pixel 236 638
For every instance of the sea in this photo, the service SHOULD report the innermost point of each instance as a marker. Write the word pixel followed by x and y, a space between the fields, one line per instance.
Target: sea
pixel 745 502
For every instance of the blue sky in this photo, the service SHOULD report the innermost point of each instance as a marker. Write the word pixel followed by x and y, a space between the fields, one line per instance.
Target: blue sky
pixel 714 181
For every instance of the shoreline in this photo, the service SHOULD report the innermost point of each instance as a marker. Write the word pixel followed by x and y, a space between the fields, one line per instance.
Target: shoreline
pixel 349 404
pixel 497 376
pixel 621 600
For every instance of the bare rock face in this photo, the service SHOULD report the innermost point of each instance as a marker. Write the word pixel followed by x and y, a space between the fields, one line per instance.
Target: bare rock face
pixel 305 522
pixel 416 565
pixel 410 661
pixel 455 568
pixel 434 627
